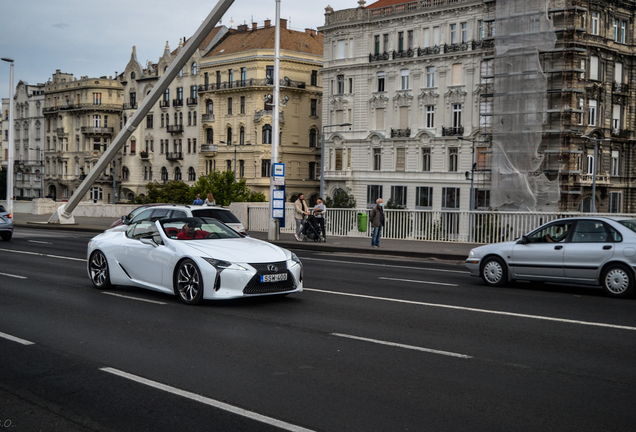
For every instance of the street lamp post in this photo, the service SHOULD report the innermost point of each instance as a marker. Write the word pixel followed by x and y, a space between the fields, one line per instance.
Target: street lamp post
pixel 11 143
pixel 322 156
pixel 596 141
pixel 472 171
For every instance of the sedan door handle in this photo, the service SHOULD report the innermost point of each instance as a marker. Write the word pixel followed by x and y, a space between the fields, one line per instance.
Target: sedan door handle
pixel 608 247
pixel 558 247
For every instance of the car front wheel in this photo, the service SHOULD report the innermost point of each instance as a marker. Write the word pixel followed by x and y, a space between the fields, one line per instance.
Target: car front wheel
pixel 188 284
pixel 618 281
pixel 6 236
pixel 98 268
pixel 494 272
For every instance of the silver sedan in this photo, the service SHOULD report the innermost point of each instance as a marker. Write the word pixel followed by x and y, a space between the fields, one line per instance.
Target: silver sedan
pixel 583 250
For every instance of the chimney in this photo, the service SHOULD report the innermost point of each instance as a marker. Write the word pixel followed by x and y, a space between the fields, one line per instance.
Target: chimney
pixel 242 27
pixel 268 23
pixel 283 23
pixel 254 26
pixel 310 32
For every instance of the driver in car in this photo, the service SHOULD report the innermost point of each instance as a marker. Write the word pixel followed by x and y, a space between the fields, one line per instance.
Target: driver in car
pixel 188 233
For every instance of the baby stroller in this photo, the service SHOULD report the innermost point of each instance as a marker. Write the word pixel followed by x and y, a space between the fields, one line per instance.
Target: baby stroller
pixel 310 229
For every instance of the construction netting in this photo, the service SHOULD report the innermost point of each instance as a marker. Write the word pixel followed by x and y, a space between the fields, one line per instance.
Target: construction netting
pixel 522 30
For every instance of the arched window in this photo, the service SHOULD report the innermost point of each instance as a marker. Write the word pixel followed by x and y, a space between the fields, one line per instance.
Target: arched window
pixel 229 136
pixel 192 175
pixel 267 134
pixel 242 136
pixel 313 138
pixel 133 75
pixel 164 174
pixel 177 173
pixel 209 107
pixel 125 173
pixel 176 119
pixel 209 135
pixel 193 70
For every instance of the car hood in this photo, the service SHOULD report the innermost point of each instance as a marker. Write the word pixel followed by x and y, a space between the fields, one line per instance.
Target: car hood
pixel 238 250
pixel 496 247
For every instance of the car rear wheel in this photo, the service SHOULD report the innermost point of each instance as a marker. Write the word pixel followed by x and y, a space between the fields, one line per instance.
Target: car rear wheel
pixel 494 272
pixel 6 236
pixel 188 284
pixel 618 281
pixel 98 268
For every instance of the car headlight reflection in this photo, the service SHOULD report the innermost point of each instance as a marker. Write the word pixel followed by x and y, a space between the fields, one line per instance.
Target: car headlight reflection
pixel 221 265
pixel 295 260
pixel 471 253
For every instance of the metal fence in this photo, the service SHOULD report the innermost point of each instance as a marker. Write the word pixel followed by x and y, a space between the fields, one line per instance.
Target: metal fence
pixel 449 226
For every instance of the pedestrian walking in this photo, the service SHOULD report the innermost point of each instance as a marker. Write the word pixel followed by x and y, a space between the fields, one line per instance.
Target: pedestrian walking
pixel 198 201
pixel 377 222
pixel 300 213
pixel 209 201
pixel 320 211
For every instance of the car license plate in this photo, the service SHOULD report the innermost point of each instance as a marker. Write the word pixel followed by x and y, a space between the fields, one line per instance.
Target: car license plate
pixel 274 277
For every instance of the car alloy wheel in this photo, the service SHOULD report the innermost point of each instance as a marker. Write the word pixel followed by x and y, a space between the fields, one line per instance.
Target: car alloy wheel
pixel 493 272
pixel 98 268
pixel 188 282
pixel 618 282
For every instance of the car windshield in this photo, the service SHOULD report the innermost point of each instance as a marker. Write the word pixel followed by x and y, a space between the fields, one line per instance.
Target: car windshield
pixel 136 211
pixel 197 229
pixel 222 215
pixel 629 223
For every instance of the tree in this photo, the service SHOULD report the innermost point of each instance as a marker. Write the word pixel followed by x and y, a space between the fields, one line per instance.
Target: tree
pixel 341 199
pixel 175 191
pixel 225 189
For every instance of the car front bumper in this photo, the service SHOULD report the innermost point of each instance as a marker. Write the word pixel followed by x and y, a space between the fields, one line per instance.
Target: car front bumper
pixel 473 266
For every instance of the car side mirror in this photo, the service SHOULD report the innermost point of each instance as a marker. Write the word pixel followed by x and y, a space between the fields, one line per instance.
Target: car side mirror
pixel 523 240
pixel 149 240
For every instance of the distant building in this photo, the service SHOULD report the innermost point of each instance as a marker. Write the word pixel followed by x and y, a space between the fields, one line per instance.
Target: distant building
pixel 82 117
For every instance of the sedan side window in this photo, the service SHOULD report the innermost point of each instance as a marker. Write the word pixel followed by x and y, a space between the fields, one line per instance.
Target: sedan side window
pixel 178 214
pixel 590 232
pixel 144 215
pixel 159 214
pixel 554 233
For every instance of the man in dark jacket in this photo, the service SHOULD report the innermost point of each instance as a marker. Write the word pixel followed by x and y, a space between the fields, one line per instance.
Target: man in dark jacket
pixel 377 222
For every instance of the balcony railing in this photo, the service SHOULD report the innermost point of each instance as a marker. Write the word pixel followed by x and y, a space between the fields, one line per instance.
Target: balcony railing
pixel 132 105
pixel 620 87
pixel 84 106
pixel 252 82
pixel 175 129
pixel 588 179
pixel 400 133
pixel 164 104
pixel 260 113
pixel 177 102
pixel 174 156
pixel 192 101
pixel 209 148
pixel 453 131
pixel 144 155
pixel 94 130
pixel 422 52
pixel 59 131
pixel 207 117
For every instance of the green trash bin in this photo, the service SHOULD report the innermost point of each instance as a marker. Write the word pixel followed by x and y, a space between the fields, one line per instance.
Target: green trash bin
pixel 362 222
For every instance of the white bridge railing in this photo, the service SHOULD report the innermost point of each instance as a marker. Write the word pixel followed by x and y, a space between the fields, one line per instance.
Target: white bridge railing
pixel 450 226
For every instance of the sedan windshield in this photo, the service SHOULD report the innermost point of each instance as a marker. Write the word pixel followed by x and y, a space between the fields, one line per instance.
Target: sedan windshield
pixel 629 223
pixel 197 229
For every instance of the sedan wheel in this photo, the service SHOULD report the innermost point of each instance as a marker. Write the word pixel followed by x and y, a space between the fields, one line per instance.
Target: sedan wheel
pixel 98 268
pixel 618 281
pixel 188 283
pixel 6 236
pixel 494 272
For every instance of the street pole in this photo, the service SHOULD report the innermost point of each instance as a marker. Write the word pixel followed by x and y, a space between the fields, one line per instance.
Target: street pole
pixel 114 180
pixel 273 232
pixel 11 143
pixel 595 165
pixel 322 156
pixel 42 173
pixel 234 161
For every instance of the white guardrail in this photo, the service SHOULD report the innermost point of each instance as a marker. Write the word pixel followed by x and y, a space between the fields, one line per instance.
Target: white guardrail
pixel 462 226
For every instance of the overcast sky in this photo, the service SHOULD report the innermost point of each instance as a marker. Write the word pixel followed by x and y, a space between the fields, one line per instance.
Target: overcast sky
pixel 96 38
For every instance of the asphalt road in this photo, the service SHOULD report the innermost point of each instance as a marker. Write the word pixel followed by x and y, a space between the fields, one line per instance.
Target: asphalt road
pixel 382 344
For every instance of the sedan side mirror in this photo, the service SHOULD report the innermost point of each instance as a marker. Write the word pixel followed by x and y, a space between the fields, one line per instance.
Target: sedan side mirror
pixel 523 240
pixel 149 240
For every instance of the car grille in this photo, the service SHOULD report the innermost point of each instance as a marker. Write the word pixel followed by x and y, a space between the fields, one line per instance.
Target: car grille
pixel 255 286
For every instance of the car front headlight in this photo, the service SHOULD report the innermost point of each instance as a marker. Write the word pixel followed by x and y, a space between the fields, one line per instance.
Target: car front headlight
pixel 223 265
pixel 471 254
pixel 295 260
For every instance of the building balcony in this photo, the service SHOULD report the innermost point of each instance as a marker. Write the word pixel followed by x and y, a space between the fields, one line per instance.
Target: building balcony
pixel 177 102
pixel 252 82
pixel 209 148
pixel 164 104
pixel 144 155
pixel 453 131
pixel 207 118
pixel 174 156
pixel 455 47
pixel 621 133
pixel 175 129
pixel 337 174
pixel 588 179
pixel 400 133
pixel 59 131
pixel 192 101
pixel 620 87
pixel 259 114
pixel 96 130
pixel 132 105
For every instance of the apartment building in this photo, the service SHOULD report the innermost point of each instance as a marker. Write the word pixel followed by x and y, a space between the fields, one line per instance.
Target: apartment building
pixel 235 101
pixel 82 117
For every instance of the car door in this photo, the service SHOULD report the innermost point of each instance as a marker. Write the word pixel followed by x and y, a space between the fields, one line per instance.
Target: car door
pixel 591 245
pixel 540 256
pixel 141 261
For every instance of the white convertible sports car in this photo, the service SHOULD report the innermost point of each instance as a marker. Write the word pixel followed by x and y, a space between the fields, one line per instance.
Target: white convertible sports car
pixel 193 258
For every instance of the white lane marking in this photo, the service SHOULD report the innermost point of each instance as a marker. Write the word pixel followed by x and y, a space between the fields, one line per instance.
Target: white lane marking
pixel 133 298
pixel 13 276
pixel 211 402
pixel 384 265
pixel 37 241
pixel 418 281
pixel 16 339
pixel 537 317
pixel 44 255
pixel 411 347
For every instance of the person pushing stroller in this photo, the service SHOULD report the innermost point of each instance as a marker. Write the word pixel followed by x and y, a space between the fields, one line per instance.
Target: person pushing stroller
pixel 319 213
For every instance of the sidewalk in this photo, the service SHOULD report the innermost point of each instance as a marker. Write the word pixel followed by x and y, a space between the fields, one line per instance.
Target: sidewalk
pixel 404 248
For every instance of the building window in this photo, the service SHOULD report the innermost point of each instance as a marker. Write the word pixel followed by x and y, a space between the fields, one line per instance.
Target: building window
pixel 229 136
pixel 338 166
pixel 177 173
pixel 381 76
pixel 350 85
pixel 341 46
pixel 452 159
pixel 313 138
pixel 229 106
pixel 373 193
pixel 482 198
pixel 313 107
pixel 377 159
pixel 594 23
pixel 615 202
pixel 404 75
pixel 164 174
pixel 228 165
pixel 400 155
pixel 241 168
pixel 97 193
pixel 623 36
pixel 423 197
pixel 314 78
pixel 430 76
pixel 464 29
pixel 594 70
pixel 398 195
pixel 615 30
pixel 409 40
pixel 450 198
pixel 242 136
pixel 457 115
pixel 614 168
pixel 242 107
pixel 426 159
pixel 189 119
pixel 616 119
pixel 209 135
pixel 267 134
pixel 376 44
pixel 149 121
pixel 97 98
pixel 453 34
pixel 266 166
pixel 400 41
pixel 591 112
pixel 97 121
pixel 341 84
pixel 312 170
pixel 430 116
pixel 590 164
pixel 194 118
